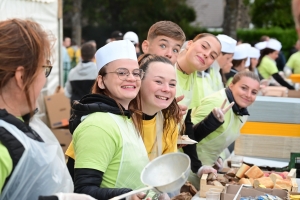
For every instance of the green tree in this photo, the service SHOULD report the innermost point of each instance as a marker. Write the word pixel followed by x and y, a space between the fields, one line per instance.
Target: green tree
pixel 133 15
pixel 271 13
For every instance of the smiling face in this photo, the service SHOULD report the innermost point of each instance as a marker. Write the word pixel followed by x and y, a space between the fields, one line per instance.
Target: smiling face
pixel 163 46
pixel 202 53
pixel 158 87
pixel 244 91
pixel 122 91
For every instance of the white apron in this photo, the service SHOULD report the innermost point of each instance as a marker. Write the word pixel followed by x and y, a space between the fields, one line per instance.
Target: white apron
pixel 188 94
pixel 157 149
pixel 209 151
pixel 216 79
pixel 206 83
pixel 41 170
pixel 134 155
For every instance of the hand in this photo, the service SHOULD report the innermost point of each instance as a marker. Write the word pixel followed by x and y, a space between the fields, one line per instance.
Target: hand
pixel 180 145
pixel 206 170
pixel 287 71
pixel 219 164
pixel 73 196
pixel 138 196
pixel 220 112
pixel 183 108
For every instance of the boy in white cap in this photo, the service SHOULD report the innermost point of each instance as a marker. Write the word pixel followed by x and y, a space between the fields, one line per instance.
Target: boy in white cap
pixel 223 60
pixel 267 65
pixel 133 37
pixel 110 154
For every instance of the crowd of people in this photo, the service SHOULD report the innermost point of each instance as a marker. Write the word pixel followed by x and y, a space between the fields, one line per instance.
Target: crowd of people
pixel 128 107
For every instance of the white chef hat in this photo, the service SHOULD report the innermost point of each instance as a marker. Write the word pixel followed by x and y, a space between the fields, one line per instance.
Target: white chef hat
pixel 261 45
pixel 241 52
pixel 274 44
pixel 254 53
pixel 132 36
pixel 121 49
pixel 228 43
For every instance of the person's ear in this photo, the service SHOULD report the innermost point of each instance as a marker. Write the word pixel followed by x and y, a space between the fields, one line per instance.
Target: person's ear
pixel 230 86
pixel 100 82
pixel 189 43
pixel 145 46
pixel 19 74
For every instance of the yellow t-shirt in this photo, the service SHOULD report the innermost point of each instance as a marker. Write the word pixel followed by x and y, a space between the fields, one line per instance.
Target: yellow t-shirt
pixel 294 62
pixel 267 67
pixel 169 140
pixel 76 54
pixel 6 165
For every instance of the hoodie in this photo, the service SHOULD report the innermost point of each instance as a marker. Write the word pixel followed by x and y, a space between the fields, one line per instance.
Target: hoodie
pixel 80 80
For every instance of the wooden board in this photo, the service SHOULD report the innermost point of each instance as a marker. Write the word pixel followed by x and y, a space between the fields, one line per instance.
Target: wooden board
pixel 266 146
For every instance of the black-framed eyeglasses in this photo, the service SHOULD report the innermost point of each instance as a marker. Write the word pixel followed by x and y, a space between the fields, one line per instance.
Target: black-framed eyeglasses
pixel 123 73
pixel 47 68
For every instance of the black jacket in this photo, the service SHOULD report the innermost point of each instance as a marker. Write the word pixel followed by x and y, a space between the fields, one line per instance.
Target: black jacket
pixel 87 181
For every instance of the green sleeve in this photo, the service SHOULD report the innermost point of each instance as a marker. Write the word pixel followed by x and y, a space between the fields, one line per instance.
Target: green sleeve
pixel 199 113
pixel 96 145
pixel 290 62
pixel 6 165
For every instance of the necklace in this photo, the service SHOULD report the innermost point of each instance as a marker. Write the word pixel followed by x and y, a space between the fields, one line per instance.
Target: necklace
pixel 180 68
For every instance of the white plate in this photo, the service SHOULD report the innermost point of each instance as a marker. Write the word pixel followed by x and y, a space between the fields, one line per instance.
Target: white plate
pixel 186 141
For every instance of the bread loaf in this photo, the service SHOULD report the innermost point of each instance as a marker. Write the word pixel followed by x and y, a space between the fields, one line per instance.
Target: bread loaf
pixel 254 172
pixel 285 184
pixel 274 177
pixel 245 181
pixel 240 173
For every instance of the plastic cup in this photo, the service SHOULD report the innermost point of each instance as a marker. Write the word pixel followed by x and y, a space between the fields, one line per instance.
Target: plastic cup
pixel 212 195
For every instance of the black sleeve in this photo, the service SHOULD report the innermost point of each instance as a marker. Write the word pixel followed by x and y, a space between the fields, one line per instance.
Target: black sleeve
pixel 70 166
pixel 206 126
pixel 87 181
pixel 281 81
pixel 48 198
pixel 191 150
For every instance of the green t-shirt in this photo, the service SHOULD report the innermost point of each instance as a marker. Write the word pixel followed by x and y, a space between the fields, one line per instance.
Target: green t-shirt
pixel 186 82
pixel 294 62
pixel 6 165
pixel 98 145
pixel 267 67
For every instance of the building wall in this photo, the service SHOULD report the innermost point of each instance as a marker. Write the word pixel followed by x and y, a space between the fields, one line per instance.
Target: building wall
pixel 209 13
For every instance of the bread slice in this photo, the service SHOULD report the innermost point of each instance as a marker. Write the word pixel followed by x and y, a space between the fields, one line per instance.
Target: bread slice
pixel 266 181
pixel 254 172
pixel 240 173
pixel 274 177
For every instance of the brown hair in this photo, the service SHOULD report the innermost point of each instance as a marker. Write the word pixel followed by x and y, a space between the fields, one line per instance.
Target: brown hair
pixel 22 43
pixel 203 35
pixel 172 112
pixel 136 114
pixel 166 28
pixel 88 51
pixel 237 77
pixel 236 63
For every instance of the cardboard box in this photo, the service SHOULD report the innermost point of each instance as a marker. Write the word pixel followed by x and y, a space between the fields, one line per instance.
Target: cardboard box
pixel 63 136
pixel 294 94
pixel 204 187
pixel 231 191
pixel 58 109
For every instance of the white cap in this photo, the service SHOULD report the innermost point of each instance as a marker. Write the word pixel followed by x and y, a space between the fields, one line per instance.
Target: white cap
pixel 228 43
pixel 241 51
pixel 254 53
pixel 274 44
pixel 121 49
pixel 132 36
pixel 261 45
